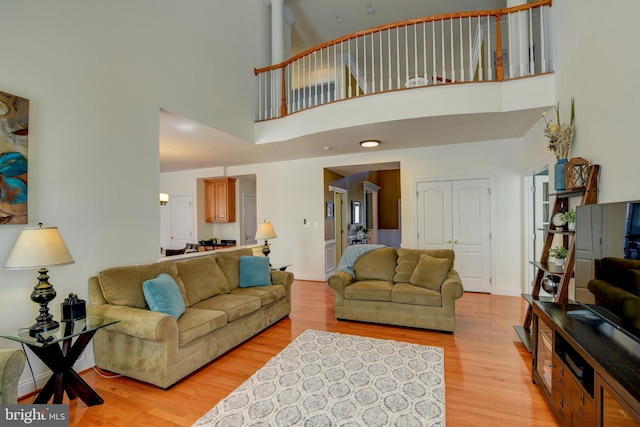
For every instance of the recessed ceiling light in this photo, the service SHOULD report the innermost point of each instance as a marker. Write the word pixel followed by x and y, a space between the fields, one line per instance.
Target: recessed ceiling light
pixel 368 143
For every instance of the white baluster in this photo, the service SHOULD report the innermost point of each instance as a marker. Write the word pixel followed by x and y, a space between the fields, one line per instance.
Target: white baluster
pixel 532 57
pixel 444 71
pixel 461 51
pixel 453 67
pixel 543 57
pixel 425 73
pixel 433 50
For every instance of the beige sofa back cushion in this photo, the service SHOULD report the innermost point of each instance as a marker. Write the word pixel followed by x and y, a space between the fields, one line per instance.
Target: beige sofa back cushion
pixel 202 278
pixel 408 260
pixel 378 264
pixel 123 285
pixel 430 272
pixel 229 262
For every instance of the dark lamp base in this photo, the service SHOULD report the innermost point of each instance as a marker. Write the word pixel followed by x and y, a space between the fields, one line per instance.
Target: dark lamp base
pixel 39 327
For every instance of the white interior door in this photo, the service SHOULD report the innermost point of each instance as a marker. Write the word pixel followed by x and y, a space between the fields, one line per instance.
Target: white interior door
pixel 456 215
pixel 181 220
pixel 471 233
pixel 249 218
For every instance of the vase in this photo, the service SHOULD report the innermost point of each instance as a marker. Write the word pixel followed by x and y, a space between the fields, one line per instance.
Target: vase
pixel 560 182
pixel 559 262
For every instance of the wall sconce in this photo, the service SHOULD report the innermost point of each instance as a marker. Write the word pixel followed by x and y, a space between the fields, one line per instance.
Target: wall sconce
pixel 164 199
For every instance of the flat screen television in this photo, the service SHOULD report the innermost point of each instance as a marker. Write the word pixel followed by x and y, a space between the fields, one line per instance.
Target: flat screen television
pixel 608 253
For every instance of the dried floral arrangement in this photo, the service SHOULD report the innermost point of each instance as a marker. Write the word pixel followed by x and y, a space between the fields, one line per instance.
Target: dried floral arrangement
pixel 560 134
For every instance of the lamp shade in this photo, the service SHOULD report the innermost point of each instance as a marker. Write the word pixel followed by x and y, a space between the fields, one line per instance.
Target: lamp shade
pixel 265 231
pixel 38 247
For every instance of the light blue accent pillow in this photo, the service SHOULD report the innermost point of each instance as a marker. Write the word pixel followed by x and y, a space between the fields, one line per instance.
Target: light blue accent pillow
pixel 254 271
pixel 163 295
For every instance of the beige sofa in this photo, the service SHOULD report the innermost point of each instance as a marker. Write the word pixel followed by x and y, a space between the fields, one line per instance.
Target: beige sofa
pixel 156 348
pixel 399 287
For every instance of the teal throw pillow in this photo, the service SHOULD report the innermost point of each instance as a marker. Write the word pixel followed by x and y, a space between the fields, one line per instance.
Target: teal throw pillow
pixel 254 271
pixel 163 295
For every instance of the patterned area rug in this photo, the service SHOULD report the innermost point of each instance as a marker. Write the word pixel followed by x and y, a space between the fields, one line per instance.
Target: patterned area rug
pixel 331 379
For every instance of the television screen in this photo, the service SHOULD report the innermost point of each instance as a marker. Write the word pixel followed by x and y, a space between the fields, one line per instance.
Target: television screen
pixel 607 263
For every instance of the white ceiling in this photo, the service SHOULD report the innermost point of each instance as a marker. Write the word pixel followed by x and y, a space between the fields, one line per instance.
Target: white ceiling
pixel 186 145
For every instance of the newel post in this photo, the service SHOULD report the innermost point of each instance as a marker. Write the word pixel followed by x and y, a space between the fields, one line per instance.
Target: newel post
pixel 499 64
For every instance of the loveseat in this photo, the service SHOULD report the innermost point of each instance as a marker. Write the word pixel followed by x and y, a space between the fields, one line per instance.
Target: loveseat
pixel 227 298
pixel 616 286
pixel 404 287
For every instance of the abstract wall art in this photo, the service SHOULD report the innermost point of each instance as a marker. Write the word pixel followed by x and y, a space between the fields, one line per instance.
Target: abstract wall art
pixel 14 134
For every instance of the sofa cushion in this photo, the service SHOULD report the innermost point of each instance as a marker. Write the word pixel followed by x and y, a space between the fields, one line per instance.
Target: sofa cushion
pixel 163 295
pixel 254 271
pixel 405 293
pixel 408 259
pixel 267 294
pixel 229 262
pixel 369 290
pixel 123 285
pixel 196 323
pixel 379 264
pixel 202 278
pixel 430 272
pixel 234 305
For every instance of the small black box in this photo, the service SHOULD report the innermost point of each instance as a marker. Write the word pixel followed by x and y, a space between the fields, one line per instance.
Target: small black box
pixel 73 309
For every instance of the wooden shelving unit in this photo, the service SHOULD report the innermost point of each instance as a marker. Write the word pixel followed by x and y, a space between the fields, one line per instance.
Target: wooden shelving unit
pixel 589 196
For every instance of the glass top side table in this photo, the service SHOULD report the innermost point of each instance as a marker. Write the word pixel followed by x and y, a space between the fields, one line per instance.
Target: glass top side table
pixel 59 351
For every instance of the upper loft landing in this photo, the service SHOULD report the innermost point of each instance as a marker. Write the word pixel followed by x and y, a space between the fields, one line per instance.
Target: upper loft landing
pixel 489 69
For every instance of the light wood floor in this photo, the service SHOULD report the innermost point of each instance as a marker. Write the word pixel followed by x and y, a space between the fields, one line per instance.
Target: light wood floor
pixel 487 369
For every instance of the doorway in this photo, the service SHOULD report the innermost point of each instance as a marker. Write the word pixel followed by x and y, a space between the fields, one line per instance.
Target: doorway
pixel 455 214
pixel 539 212
pixel 249 218
pixel 180 220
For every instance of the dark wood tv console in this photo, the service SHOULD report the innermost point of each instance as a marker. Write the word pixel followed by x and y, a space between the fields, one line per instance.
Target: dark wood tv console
pixel 588 370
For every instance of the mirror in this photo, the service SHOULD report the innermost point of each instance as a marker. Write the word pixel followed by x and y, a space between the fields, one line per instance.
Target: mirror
pixel 356 214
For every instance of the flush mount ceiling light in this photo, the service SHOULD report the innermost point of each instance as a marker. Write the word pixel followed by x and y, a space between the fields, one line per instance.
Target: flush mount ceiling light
pixel 368 143
pixel 370 10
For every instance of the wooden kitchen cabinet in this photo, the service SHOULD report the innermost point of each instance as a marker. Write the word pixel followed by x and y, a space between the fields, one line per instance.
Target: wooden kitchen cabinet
pixel 220 200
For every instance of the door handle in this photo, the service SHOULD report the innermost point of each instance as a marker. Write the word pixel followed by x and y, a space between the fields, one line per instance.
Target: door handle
pixel 457 241
pixel 448 241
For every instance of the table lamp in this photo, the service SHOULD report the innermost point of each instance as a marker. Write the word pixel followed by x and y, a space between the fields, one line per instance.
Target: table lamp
pixel 40 247
pixel 265 231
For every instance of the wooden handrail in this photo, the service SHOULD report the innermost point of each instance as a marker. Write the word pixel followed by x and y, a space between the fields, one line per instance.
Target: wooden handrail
pixel 425 19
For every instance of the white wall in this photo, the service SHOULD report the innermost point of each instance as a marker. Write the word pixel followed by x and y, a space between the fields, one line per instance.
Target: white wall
pixel 96 75
pixel 291 192
pixel 604 82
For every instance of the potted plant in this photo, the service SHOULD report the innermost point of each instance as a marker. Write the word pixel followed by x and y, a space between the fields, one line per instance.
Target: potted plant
pixel 570 219
pixel 559 253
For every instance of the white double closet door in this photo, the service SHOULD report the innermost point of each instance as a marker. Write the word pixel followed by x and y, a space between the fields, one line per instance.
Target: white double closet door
pixel 456 214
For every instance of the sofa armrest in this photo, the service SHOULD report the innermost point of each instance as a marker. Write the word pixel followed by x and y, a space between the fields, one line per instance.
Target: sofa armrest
pixel 631 310
pixel 451 288
pixel 339 281
pixel 11 367
pixel 609 294
pixel 137 322
pixel 283 278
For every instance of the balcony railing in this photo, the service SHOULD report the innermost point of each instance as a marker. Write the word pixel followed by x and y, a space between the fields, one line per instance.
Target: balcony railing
pixel 493 45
